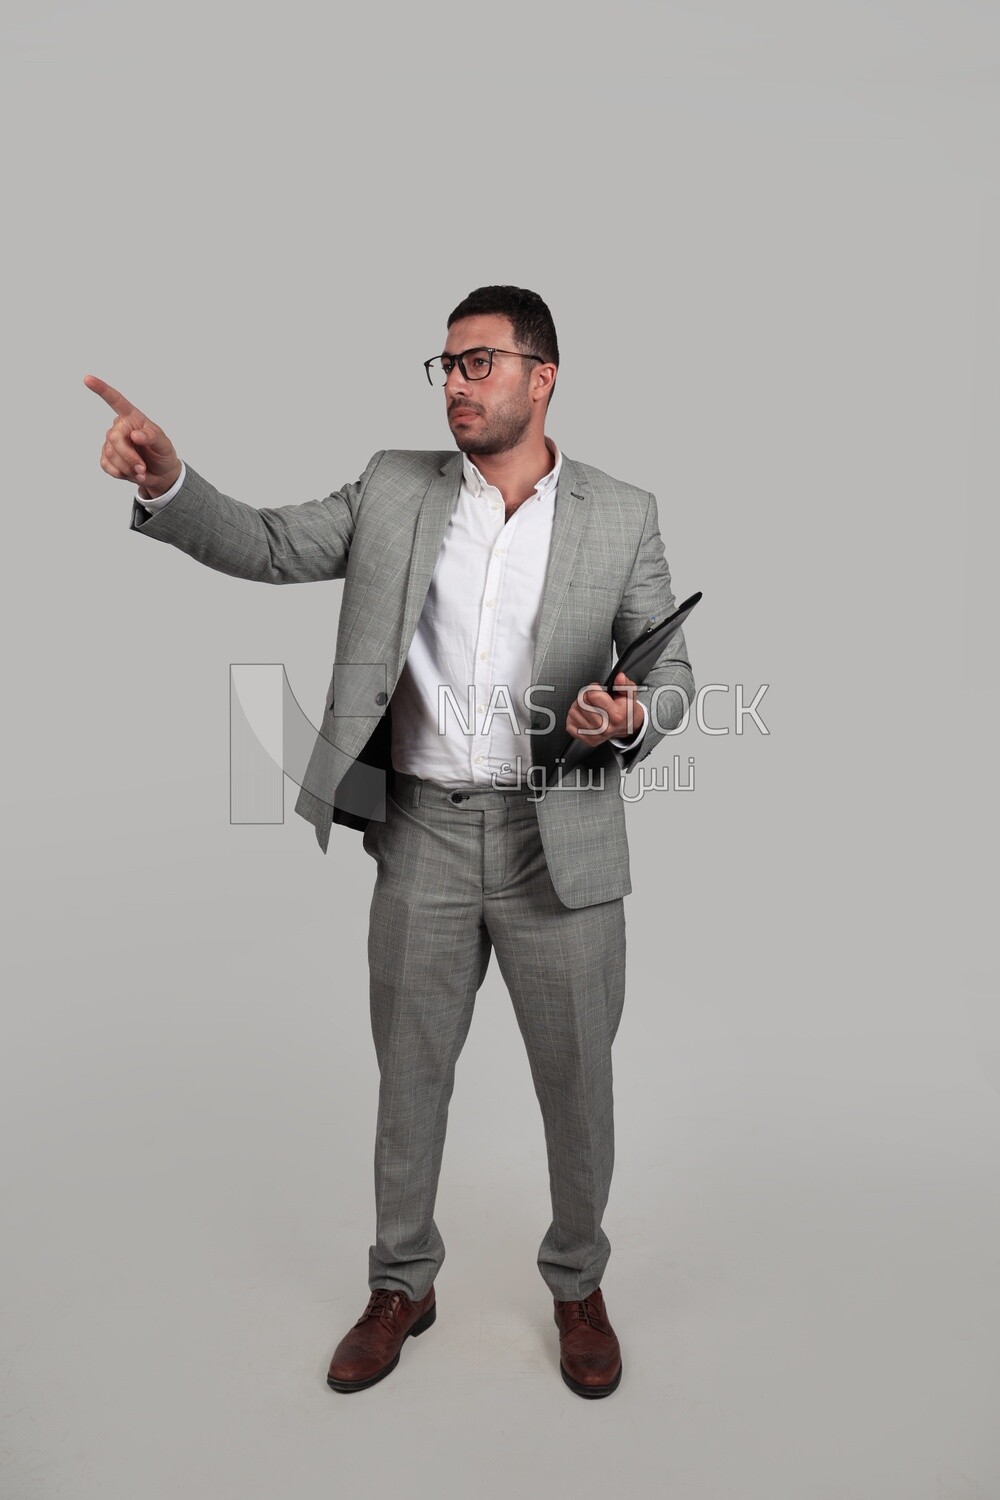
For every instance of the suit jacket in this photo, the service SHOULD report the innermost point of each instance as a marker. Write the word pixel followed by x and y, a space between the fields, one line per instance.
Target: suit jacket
pixel 606 576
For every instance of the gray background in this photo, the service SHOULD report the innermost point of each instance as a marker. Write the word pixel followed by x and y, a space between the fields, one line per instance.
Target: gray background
pixel 769 236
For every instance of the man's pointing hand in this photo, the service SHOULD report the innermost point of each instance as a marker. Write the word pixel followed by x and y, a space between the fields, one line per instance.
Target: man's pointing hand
pixel 135 449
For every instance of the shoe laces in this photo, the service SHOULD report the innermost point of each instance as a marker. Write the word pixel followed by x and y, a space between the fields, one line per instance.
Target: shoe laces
pixel 382 1302
pixel 583 1309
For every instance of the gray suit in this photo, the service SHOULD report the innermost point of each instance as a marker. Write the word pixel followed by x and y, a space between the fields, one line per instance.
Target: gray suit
pixel 607 575
pixel 464 873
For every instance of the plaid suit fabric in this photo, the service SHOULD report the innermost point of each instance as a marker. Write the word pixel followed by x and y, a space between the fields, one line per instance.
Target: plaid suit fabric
pixel 456 882
pixel 540 882
pixel 607 575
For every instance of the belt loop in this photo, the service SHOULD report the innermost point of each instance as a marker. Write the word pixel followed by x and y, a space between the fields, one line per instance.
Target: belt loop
pixel 416 793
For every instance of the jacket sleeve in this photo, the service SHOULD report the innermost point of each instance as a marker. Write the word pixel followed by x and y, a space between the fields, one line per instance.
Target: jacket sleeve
pixel 648 595
pixel 274 544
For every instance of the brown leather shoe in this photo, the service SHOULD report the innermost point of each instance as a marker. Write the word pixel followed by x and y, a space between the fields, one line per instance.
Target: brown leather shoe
pixel 591 1361
pixel 371 1348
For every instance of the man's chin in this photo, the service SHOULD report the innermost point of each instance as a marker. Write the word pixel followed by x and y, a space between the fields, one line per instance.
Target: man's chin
pixel 483 446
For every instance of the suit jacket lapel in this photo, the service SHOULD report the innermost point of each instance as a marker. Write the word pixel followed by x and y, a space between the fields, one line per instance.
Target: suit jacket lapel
pixel 572 501
pixel 435 512
pixel 572 505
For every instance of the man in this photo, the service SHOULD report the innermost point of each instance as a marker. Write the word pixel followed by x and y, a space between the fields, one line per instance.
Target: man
pixel 493 580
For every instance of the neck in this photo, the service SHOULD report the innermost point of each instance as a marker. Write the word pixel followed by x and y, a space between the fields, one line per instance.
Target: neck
pixel 516 472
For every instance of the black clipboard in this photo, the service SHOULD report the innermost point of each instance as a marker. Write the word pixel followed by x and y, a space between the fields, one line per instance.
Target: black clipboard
pixel 636 661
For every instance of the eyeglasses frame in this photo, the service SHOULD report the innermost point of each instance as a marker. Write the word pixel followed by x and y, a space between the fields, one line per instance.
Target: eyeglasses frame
pixel 476 349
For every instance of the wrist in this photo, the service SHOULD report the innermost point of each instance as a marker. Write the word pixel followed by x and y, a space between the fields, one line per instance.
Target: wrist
pixel 153 489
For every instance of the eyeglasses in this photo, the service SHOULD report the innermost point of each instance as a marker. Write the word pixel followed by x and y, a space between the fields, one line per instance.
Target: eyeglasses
pixel 480 363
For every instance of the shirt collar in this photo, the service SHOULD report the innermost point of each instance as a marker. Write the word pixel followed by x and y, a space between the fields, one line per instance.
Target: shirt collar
pixel 477 484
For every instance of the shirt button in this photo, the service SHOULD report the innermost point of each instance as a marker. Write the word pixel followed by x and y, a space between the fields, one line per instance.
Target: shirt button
pixel 489 604
pixel 499 551
pixel 484 656
pixel 479 760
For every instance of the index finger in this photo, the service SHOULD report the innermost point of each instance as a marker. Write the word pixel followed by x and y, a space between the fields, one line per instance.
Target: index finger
pixel 115 399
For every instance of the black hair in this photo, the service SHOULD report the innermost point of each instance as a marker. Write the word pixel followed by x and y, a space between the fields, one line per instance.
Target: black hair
pixel 530 319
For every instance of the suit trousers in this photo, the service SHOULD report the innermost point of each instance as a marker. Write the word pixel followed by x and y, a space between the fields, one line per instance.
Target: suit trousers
pixel 461 872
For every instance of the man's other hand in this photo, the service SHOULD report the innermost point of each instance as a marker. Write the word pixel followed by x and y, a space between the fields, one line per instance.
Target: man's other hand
pixel 135 449
pixel 596 715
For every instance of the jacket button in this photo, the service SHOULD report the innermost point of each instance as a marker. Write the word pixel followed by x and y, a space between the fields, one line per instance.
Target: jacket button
pixel 380 698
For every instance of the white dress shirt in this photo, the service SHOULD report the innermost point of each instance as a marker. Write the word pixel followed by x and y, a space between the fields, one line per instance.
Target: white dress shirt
pixel 459 713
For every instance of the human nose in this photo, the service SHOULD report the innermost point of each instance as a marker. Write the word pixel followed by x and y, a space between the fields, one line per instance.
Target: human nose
pixel 456 378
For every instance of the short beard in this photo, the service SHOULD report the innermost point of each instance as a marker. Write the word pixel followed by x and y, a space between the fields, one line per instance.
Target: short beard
pixel 506 430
